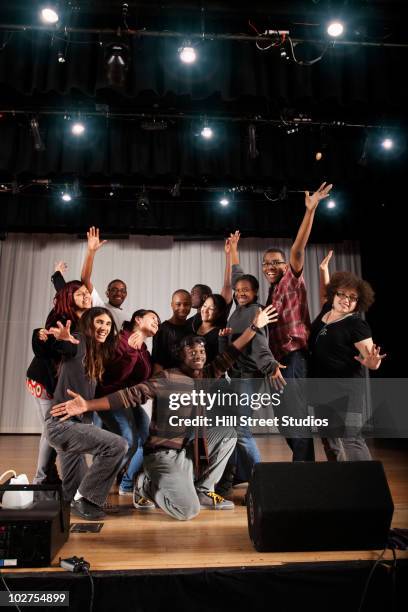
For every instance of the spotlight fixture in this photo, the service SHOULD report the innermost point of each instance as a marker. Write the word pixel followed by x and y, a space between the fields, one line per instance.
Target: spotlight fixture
pixel 387 144
pixel 292 130
pixel 117 63
pixel 49 14
pixel 335 29
pixel 61 57
pixel 224 200
pixel 142 202
pixel 35 131
pixel 78 128
pixel 66 196
pixel 207 132
pixel 319 155
pixel 331 204
pixel 187 53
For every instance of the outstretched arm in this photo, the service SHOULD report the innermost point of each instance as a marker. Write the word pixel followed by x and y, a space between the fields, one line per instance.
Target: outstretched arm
pixel 93 245
pixel 226 290
pixel 297 252
pixel 324 277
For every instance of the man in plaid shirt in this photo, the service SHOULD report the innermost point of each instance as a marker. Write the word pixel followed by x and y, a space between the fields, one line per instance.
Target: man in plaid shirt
pixel 288 336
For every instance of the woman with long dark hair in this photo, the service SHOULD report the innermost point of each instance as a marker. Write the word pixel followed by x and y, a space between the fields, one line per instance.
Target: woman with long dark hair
pixel 85 356
pixel 70 303
pixel 130 365
pixel 213 318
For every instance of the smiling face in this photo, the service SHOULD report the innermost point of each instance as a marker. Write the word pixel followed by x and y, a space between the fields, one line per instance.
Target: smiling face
pixel 181 305
pixel 345 300
pixel 273 266
pixel 102 325
pixel 116 293
pixel 209 311
pixel 194 357
pixel 82 298
pixel 148 324
pixel 244 293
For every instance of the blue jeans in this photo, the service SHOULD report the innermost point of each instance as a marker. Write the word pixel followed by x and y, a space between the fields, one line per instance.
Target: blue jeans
pixel 295 403
pixel 133 425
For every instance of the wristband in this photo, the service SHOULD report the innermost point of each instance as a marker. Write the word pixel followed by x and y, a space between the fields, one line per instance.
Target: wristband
pixel 253 327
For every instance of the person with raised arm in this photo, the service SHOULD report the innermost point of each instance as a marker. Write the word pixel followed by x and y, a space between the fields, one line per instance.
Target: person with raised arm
pixel 181 467
pixel 116 291
pixel 289 335
pixel 340 347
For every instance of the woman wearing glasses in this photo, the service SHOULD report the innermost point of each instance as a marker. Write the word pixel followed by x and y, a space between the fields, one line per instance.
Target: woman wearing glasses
pixel 340 346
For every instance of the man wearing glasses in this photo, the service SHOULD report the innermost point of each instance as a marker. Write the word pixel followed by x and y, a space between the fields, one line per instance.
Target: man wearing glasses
pixel 288 336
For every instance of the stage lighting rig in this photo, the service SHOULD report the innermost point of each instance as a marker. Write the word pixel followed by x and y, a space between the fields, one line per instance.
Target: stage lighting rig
pixel 187 53
pixel 335 28
pixel 35 131
pixel 117 63
pixel 49 13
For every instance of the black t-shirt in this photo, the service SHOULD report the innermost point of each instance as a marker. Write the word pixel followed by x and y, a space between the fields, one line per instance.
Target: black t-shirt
pixel 331 346
pixel 166 342
pixel 211 344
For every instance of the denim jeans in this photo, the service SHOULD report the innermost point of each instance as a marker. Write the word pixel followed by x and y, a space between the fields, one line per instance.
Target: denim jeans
pixel 46 471
pixel 295 403
pixel 133 425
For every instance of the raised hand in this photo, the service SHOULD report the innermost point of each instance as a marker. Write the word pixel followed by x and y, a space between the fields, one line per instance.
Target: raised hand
pixel 63 332
pixel 60 266
pixel 234 239
pixel 324 265
pixel 136 339
pixel 372 359
pixel 312 201
pixel 70 408
pixel 227 331
pixel 265 316
pixel 93 239
pixel 227 246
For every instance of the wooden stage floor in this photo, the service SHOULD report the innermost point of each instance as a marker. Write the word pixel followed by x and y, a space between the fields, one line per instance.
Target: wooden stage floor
pixel 133 540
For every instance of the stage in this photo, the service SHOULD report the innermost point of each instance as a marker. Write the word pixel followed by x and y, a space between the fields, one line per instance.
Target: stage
pixel 152 553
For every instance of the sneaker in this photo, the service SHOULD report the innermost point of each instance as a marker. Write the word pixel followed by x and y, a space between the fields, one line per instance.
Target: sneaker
pixel 125 491
pixel 87 510
pixel 212 501
pixel 141 502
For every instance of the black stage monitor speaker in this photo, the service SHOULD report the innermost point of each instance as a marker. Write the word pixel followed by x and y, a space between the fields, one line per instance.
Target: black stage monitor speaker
pixel 310 506
pixel 32 536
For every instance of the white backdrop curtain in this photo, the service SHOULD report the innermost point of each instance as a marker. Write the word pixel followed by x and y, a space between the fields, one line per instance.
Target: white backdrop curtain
pixel 152 266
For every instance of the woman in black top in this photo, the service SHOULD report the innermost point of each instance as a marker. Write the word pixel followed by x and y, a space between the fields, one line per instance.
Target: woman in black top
pixel 213 318
pixel 340 345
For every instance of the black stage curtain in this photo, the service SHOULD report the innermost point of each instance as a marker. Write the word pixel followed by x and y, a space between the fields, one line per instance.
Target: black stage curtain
pixel 364 82
pixel 292 587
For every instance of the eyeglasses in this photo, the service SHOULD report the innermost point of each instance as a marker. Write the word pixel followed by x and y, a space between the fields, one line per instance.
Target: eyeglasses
pixel 273 263
pixel 343 296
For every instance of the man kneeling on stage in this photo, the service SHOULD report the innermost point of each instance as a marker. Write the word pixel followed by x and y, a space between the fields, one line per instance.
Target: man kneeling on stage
pixel 182 467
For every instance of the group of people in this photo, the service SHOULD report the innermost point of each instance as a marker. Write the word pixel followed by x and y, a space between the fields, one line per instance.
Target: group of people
pixel 99 391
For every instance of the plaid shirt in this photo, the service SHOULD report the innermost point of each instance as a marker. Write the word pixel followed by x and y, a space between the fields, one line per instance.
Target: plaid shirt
pixel 291 331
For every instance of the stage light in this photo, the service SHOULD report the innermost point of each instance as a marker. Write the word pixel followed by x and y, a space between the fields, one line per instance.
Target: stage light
pixel 224 200
pixel 66 196
pixel 77 128
pixel 35 131
pixel 49 15
pixel 335 29
pixel 207 132
pixel 387 144
pixel 117 63
pixel 319 155
pixel 61 57
pixel 143 201
pixel 331 204
pixel 187 53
